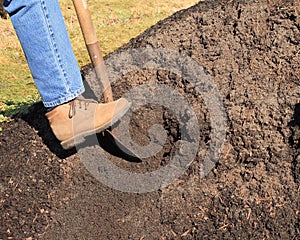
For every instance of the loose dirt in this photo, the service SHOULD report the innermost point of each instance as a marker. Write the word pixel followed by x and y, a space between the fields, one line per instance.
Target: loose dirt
pixel 251 51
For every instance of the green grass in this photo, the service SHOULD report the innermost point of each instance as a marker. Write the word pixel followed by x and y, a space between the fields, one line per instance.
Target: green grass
pixel 116 23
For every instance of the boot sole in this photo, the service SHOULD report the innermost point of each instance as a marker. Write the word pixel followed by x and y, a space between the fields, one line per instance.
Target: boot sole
pixel 80 138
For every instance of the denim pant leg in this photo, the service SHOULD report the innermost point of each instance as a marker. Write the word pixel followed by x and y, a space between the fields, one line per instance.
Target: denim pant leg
pixel 41 30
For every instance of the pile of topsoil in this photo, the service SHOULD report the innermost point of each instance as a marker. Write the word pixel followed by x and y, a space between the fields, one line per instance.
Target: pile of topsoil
pixel 248 52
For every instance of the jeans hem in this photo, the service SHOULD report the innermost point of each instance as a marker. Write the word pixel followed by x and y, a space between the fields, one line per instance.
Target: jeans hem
pixel 64 99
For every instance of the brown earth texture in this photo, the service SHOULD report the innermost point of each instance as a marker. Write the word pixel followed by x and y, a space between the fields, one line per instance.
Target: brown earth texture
pixel 248 187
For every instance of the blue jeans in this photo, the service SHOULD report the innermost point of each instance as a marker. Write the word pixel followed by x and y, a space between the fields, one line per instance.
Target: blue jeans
pixel 42 33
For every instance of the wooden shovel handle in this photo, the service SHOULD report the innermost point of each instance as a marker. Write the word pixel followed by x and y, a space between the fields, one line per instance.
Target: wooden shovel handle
pixel 92 44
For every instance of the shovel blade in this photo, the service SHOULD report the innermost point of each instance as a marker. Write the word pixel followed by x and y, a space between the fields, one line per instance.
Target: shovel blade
pixel 113 145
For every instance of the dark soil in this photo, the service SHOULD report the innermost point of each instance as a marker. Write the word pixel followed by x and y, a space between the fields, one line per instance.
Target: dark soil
pixel 252 51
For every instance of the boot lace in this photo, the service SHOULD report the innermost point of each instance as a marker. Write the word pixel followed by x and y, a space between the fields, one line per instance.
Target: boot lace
pixel 81 102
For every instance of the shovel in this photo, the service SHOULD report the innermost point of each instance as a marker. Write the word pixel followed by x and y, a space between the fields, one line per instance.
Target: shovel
pixel 91 41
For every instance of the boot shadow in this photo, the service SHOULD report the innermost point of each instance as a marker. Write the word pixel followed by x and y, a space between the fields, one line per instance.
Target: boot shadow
pixel 37 120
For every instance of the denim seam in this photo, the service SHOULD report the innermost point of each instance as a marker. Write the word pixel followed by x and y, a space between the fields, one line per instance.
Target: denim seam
pixel 54 45
pixel 65 99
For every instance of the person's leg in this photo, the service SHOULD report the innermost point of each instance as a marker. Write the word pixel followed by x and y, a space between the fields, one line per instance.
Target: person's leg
pixel 41 30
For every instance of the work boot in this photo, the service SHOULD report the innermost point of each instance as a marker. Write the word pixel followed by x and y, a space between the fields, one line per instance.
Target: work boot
pixel 73 121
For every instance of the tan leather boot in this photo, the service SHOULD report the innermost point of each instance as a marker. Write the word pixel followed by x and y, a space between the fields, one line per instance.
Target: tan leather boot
pixel 73 121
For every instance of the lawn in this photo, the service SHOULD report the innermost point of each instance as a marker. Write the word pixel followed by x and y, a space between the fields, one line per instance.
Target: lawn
pixel 116 23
